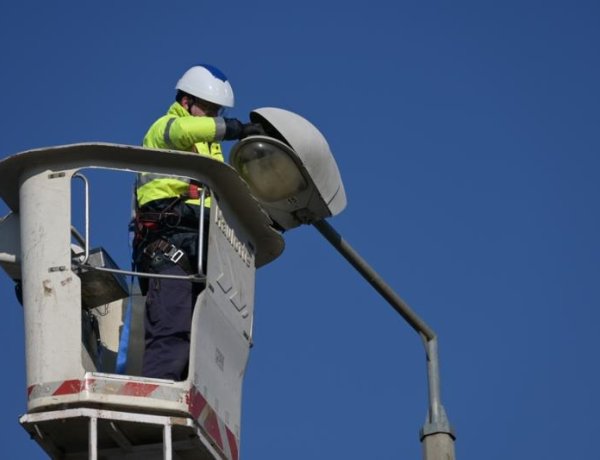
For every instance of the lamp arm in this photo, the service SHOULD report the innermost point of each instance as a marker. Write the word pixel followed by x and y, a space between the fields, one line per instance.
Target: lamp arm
pixel 437 421
pixel 374 279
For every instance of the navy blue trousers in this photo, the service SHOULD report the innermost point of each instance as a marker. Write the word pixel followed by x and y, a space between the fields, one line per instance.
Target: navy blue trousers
pixel 169 309
pixel 170 303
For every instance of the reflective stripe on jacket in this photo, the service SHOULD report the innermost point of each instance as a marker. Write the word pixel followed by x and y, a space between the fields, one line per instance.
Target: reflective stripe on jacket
pixel 178 130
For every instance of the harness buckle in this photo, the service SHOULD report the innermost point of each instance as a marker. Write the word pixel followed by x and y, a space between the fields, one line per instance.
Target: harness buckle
pixel 174 254
pixel 177 256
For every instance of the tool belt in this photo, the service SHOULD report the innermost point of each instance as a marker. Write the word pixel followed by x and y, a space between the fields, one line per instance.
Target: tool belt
pixel 153 220
pixel 160 252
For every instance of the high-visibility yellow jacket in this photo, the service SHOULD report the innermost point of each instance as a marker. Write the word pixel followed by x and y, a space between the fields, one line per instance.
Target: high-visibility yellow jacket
pixel 178 130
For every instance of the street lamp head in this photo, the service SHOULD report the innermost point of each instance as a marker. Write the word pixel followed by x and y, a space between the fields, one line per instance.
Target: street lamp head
pixel 291 170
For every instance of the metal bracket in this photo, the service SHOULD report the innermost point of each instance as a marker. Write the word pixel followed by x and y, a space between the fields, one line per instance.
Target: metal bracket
pixel 435 428
pixel 441 425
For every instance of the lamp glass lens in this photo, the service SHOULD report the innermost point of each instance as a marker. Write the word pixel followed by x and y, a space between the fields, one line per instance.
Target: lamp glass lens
pixel 269 171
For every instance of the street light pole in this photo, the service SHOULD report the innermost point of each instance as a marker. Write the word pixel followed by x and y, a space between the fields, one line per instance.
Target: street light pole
pixel 294 176
pixel 436 434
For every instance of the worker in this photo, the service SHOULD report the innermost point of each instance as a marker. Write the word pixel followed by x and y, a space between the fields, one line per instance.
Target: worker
pixel 167 217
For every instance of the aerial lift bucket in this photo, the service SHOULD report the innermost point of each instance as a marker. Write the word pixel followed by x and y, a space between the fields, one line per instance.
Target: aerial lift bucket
pixel 77 405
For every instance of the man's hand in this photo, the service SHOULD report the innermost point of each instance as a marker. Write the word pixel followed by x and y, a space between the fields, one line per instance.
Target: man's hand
pixel 252 129
pixel 235 129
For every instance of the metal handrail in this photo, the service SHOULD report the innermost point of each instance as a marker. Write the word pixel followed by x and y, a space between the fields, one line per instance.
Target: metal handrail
pixel 201 233
pixel 194 278
pixel 86 214
pixel 85 240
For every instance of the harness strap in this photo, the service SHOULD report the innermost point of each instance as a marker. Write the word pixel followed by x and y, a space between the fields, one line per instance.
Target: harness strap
pixel 193 192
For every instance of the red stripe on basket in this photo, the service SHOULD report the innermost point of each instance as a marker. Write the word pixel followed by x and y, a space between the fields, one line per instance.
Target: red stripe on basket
pixel 196 403
pixel 232 444
pixel 68 387
pixel 211 425
pixel 137 389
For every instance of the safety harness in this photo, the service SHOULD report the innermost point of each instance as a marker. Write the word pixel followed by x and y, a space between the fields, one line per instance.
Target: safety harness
pixel 152 226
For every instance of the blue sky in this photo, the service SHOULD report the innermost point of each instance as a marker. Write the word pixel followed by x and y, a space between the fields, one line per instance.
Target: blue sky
pixel 466 134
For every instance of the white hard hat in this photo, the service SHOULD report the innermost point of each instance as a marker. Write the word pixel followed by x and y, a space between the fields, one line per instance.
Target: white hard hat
pixel 208 83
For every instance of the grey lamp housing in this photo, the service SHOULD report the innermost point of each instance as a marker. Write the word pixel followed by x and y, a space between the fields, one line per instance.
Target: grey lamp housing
pixel 290 170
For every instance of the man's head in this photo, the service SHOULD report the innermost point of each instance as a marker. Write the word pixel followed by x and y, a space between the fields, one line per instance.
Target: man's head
pixel 204 90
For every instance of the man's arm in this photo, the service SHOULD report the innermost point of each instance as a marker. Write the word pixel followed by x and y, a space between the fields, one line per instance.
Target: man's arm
pixel 183 133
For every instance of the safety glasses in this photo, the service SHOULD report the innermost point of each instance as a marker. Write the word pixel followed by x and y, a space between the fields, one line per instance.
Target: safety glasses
pixel 210 109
